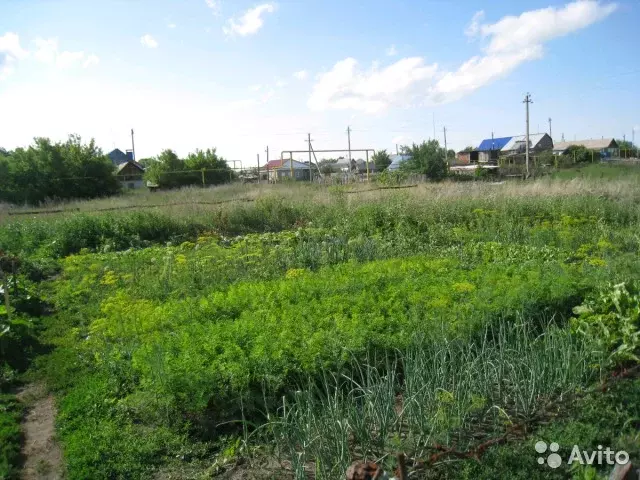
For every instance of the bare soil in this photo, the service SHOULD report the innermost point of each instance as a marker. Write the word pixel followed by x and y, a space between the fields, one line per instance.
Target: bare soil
pixel 41 453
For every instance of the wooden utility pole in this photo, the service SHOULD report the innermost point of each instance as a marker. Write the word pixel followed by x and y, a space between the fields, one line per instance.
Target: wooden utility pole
pixel 550 134
pixel 446 152
pixel 133 146
pixel 527 101
pixel 349 140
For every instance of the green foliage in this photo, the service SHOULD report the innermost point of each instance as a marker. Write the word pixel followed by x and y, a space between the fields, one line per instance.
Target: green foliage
pixel 427 158
pixel 448 386
pixel 381 159
pixel 10 436
pixel 199 168
pixel 594 419
pixel 49 170
pixel 174 336
pixel 612 317
pixel 580 154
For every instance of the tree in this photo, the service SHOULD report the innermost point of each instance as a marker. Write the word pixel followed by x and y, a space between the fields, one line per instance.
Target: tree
pixel 581 154
pixel 469 149
pixel 169 171
pixel 427 158
pixel 627 149
pixel 381 159
pixel 48 170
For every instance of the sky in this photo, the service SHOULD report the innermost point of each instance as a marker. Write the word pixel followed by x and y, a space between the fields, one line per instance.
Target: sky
pixel 242 76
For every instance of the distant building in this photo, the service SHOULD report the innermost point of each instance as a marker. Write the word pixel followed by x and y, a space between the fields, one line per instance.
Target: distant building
pixel 396 161
pixel 128 171
pixel 607 147
pixel 467 157
pixel 491 149
pixel 130 175
pixel 291 169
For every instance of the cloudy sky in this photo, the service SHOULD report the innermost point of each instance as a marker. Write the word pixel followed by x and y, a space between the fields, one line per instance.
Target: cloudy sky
pixel 241 75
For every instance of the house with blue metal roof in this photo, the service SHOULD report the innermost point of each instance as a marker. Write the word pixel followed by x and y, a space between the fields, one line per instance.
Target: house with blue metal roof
pixel 491 148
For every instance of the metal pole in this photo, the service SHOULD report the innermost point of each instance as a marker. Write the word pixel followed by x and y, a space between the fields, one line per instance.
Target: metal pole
pixel 259 164
pixel 309 140
pixel 550 134
pixel 291 164
pixel 367 166
pixel 349 140
pixel 527 101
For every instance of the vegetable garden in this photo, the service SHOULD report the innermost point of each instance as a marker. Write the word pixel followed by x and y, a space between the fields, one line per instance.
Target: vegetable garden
pixel 283 338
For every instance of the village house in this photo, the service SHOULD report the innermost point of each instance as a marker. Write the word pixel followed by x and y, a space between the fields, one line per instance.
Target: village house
pixel 607 147
pixel 128 171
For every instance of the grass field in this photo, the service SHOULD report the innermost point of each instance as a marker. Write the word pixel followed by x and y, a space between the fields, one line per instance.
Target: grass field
pixel 286 331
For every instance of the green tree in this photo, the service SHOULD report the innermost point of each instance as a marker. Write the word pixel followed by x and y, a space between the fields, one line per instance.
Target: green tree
pixel 47 170
pixel 381 159
pixel 169 171
pixel 427 158
pixel 217 170
pixel 580 154
pixel 627 149
pixel 469 149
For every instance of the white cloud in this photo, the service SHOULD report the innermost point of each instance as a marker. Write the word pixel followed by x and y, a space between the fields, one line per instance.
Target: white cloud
pixel 392 51
pixel 280 83
pixel 344 87
pixel 214 5
pixel 255 88
pixel 148 41
pixel 538 26
pixel 10 53
pixel 171 26
pixel 512 41
pixel 91 60
pixel 474 27
pixel 250 23
pixel 47 51
pixel 301 75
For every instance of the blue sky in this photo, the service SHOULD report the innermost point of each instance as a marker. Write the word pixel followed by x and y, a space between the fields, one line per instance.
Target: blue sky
pixel 241 75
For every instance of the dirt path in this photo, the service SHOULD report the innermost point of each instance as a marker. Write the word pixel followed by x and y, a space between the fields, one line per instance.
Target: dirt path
pixel 42 454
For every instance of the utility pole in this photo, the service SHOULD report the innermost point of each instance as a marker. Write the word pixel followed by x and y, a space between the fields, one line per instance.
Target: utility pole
pixel 527 101
pixel 349 139
pixel 550 134
pixel 309 140
pixel 434 125
pixel 396 149
pixel 133 146
pixel 446 152
pixel 259 166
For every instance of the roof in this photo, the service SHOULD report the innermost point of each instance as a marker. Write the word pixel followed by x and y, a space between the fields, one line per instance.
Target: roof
pixel 534 139
pixel 118 157
pixel 396 160
pixel 274 164
pixel 296 165
pixel 590 144
pixel 122 166
pixel 493 143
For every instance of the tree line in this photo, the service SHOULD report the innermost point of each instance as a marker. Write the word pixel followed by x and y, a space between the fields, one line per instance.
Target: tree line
pixel 73 169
